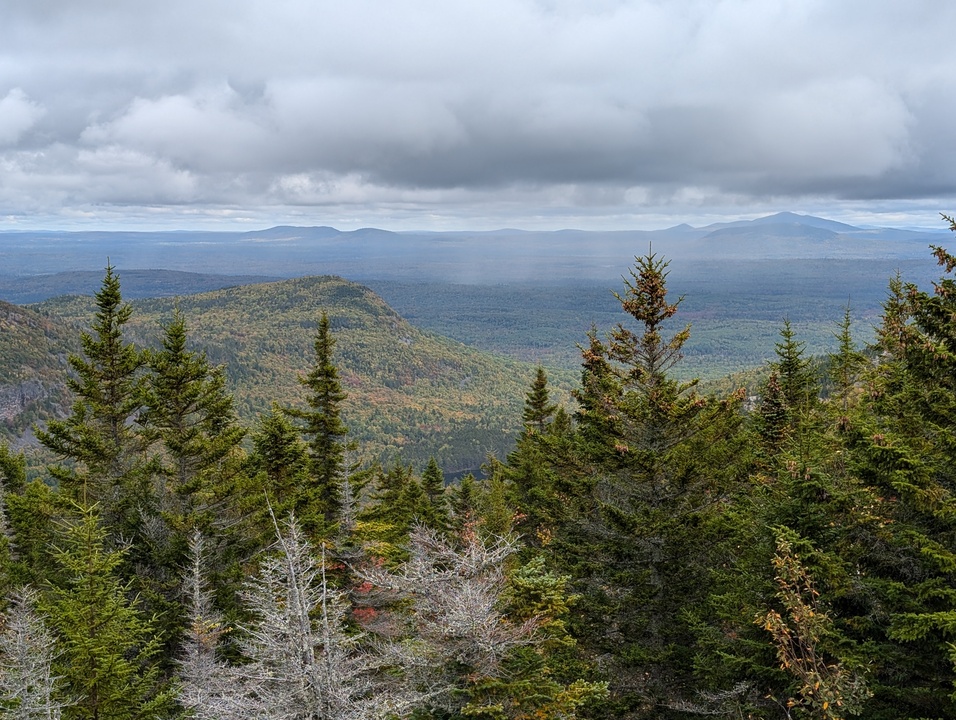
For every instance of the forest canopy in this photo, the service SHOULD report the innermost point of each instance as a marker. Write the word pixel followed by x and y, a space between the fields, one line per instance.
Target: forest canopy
pixel 647 550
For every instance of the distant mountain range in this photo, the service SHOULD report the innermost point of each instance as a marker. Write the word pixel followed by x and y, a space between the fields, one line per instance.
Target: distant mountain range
pixel 469 257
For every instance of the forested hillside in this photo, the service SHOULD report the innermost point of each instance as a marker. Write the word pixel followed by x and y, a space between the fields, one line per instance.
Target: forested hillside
pixel 413 394
pixel 33 351
pixel 645 550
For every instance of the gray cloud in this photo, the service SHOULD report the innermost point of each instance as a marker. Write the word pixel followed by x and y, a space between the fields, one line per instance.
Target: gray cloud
pixel 507 112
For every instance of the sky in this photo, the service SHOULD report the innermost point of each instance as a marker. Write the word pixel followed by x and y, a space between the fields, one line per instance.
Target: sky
pixel 466 114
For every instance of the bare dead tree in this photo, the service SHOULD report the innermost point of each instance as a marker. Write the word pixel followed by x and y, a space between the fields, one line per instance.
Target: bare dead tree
pixel 208 686
pixel 302 664
pixel 456 627
pixel 28 687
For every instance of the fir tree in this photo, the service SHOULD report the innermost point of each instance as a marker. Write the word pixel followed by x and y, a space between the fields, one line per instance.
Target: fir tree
pixel 771 420
pixel 798 383
pixel 396 503
pixel 321 501
pixel 105 454
pixel 659 459
pixel 279 470
pixel 190 412
pixel 108 650
pixel 529 468
pixel 464 502
pixel 538 408
pixel 189 416
pixel 435 512
pixel 904 450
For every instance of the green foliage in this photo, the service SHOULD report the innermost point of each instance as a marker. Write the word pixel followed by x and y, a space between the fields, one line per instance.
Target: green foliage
pixel 658 521
pixel 396 504
pixel 798 383
pixel 320 500
pixel 538 408
pixel 434 513
pixel 826 687
pixel 107 649
pixel 188 410
pixel 657 460
pixel 104 453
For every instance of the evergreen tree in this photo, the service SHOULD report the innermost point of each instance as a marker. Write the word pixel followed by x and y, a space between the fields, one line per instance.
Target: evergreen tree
pixel 846 367
pixel 108 651
pixel 662 458
pixel 321 501
pixel 464 502
pixel 435 511
pixel 862 492
pixel 904 450
pixel 11 474
pixel 105 453
pixel 396 504
pixel 771 420
pixel 190 412
pixel 279 469
pixel 529 468
pixel 188 415
pixel 538 408
pixel 798 382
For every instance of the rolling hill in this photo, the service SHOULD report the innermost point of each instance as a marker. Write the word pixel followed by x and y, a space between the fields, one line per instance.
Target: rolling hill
pixel 412 394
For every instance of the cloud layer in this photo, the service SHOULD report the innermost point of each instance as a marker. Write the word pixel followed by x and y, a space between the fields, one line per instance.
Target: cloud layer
pixel 427 113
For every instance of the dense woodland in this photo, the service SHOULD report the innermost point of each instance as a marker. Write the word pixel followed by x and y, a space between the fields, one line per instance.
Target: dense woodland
pixel 647 551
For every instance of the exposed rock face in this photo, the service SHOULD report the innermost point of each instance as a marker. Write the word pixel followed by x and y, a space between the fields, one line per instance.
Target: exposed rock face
pixel 14 399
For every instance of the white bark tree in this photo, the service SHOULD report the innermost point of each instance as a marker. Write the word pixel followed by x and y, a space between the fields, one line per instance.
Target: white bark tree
pixel 27 649
pixel 208 687
pixel 456 625
pixel 302 664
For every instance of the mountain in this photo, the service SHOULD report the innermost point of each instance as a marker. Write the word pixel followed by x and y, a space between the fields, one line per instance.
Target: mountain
pixel 785 218
pixel 412 394
pixel 488 257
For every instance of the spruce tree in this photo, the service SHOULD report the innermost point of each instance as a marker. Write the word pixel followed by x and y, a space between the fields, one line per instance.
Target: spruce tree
pixel 464 502
pixel 190 412
pixel 321 501
pixel 658 458
pixel 798 382
pixel 435 512
pixel 105 456
pixel 771 419
pixel 108 650
pixel 278 467
pixel 904 450
pixel 846 365
pixel 188 415
pixel 529 468
pixel 397 502
pixel 538 408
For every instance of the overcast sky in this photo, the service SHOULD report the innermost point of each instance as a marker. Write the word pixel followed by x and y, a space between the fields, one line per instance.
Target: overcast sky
pixel 473 114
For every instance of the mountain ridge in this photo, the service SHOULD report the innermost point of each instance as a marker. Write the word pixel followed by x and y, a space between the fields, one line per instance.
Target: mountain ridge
pixel 413 394
pixel 487 257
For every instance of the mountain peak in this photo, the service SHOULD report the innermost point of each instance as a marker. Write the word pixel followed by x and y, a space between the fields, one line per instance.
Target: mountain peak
pixel 791 218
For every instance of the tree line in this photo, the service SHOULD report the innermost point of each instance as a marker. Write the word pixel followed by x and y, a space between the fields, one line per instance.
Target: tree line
pixel 650 552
